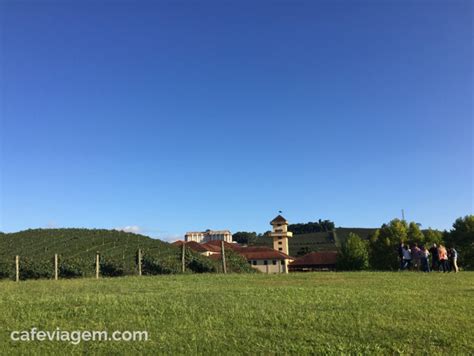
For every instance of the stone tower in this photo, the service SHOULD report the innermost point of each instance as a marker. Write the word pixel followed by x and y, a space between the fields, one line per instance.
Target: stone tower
pixel 280 234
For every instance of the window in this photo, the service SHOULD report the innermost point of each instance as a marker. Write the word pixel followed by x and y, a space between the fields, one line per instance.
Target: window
pixel 265 262
pixel 279 242
pixel 280 249
pixel 250 262
pixel 274 262
pixel 279 238
pixel 254 262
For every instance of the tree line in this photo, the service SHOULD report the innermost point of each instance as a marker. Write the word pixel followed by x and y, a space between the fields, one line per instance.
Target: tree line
pixel 380 251
pixel 247 238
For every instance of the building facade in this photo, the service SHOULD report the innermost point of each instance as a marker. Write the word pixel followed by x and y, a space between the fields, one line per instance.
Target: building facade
pixel 264 259
pixel 280 234
pixel 267 260
pixel 208 235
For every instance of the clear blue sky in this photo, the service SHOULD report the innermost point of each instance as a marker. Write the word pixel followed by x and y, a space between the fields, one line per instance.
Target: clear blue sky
pixel 175 116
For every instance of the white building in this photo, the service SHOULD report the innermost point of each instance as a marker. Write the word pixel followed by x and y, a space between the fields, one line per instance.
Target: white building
pixel 208 235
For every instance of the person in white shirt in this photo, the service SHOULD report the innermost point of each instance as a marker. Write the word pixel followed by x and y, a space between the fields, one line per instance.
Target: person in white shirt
pixel 406 257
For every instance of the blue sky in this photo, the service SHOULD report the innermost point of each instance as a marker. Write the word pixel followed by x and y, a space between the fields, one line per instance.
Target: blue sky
pixel 174 116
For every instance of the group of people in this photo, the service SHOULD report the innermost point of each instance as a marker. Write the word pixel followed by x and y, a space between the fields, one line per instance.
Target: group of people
pixel 418 258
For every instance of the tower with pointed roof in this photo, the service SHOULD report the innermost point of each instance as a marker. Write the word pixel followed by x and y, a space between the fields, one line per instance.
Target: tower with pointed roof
pixel 280 234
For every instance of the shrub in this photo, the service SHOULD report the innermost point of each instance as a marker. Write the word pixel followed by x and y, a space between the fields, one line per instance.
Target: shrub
pixel 156 265
pixel 201 265
pixel 74 268
pixel 236 263
pixel 35 269
pixel 7 269
pixel 112 267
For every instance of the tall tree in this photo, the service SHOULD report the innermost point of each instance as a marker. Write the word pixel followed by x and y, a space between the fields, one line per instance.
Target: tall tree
pixel 354 254
pixel 414 233
pixel 432 236
pixel 384 245
pixel 461 237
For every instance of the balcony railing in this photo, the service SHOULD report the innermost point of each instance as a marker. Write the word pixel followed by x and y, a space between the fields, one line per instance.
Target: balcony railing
pixel 281 234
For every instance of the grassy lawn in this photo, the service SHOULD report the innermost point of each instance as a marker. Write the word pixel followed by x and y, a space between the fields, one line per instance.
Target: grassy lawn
pixel 215 314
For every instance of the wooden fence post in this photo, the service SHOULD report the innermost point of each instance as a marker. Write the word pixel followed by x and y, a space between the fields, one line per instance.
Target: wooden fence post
pixel 55 266
pixel 224 268
pixel 139 262
pixel 97 265
pixel 17 268
pixel 183 257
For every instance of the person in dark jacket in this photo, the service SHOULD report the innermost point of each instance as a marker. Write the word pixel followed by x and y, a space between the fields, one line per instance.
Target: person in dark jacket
pixel 434 258
pixel 400 255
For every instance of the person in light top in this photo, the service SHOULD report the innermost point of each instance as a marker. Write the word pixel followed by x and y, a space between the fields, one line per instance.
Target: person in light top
pixel 406 257
pixel 453 259
pixel 425 264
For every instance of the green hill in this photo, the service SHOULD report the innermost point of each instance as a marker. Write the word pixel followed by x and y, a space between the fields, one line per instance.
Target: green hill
pixel 363 232
pixel 118 250
pixel 42 243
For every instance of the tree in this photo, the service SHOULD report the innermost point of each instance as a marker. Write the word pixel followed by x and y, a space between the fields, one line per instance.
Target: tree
pixel 354 254
pixel 432 237
pixel 461 237
pixel 384 245
pixel 462 232
pixel 243 237
pixel 311 227
pixel 414 233
pixel 396 230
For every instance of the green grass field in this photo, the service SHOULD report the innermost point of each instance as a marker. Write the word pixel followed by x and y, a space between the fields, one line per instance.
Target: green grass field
pixel 366 312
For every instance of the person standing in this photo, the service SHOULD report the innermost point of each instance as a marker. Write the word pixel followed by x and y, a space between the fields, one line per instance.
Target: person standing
pixel 400 255
pixel 406 257
pixel 416 256
pixel 425 264
pixel 453 259
pixel 443 258
pixel 434 257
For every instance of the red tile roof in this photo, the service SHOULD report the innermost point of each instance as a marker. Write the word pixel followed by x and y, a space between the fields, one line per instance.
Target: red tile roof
pixel 213 246
pixel 262 253
pixel 250 253
pixel 193 245
pixel 316 259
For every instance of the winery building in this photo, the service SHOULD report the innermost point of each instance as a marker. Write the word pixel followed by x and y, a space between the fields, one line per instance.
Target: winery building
pixel 208 235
